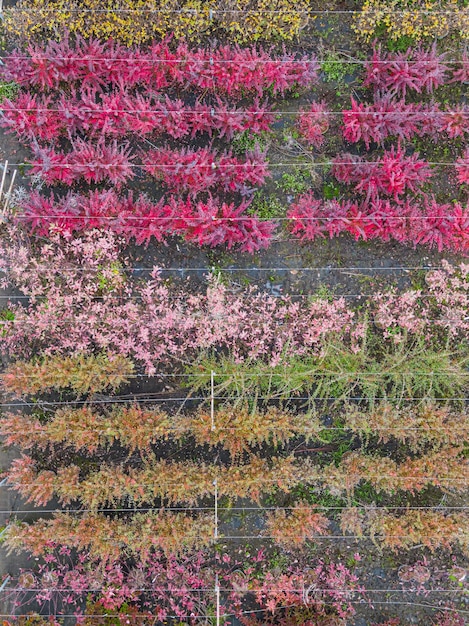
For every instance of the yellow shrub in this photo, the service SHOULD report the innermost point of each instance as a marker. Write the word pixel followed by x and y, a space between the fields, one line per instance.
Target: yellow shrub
pixel 134 22
pixel 412 18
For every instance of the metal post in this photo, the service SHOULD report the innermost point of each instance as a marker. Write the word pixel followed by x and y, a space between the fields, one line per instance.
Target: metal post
pixel 212 399
pixel 4 583
pixel 215 531
pixel 3 177
pixel 8 195
pixel 217 597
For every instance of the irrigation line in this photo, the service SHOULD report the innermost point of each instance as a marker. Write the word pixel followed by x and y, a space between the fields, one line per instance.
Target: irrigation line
pixel 164 110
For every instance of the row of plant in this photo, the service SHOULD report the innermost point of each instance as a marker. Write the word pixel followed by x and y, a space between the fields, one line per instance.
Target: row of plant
pixel 239 20
pixel 120 115
pixel 411 20
pixel 82 299
pixel 102 66
pixel 236 429
pixel 161 587
pixel 172 482
pixel 387 118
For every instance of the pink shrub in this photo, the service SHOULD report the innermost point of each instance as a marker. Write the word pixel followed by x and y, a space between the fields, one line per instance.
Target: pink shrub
pixel 455 123
pixel 118 114
pixel 385 118
pixel 211 223
pixel 440 226
pixel 462 168
pixel 461 74
pixel 313 123
pixel 393 175
pixel 226 69
pixel 93 162
pixel 396 72
pixel 200 169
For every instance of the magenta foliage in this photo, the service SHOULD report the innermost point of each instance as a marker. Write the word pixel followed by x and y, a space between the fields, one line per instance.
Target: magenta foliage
pixel 93 162
pixel 120 113
pixel 70 311
pixel 462 168
pixel 387 117
pixel 324 586
pixel 455 123
pixel 313 122
pixel 210 223
pixel 226 69
pixel 195 170
pixel 461 75
pixel 442 226
pixel 30 116
pixel 416 70
pixel 393 174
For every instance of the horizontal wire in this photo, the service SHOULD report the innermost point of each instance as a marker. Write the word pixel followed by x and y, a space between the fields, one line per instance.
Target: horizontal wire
pixel 218 166
pixel 266 295
pixel 380 12
pixel 157 589
pixel 138 61
pixel 306 538
pixel 242 508
pixel 121 219
pixel 134 398
pixel 271 372
pixel 225 615
pixel 234 111
pixel 327 268
pixel 450 479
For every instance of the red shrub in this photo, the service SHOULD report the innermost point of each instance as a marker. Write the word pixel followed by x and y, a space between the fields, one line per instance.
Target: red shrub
pixel 210 223
pixel 395 72
pixel 195 170
pixel 462 168
pixel 433 225
pixel 93 162
pixel 461 75
pixel 119 113
pixel 384 118
pixel 313 122
pixel 393 175
pixel 227 69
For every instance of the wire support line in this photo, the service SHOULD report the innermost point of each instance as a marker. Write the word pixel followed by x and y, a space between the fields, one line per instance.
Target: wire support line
pixel 225 615
pixel 120 219
pixel 335 375
pixel 221 166
pixel 278 60
pixel 211 110
pixel 157 589
pixel 380 12
pixel 441 508
pixel 449 479
pixel 325 268
pixel 278 396
pixel 285 296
